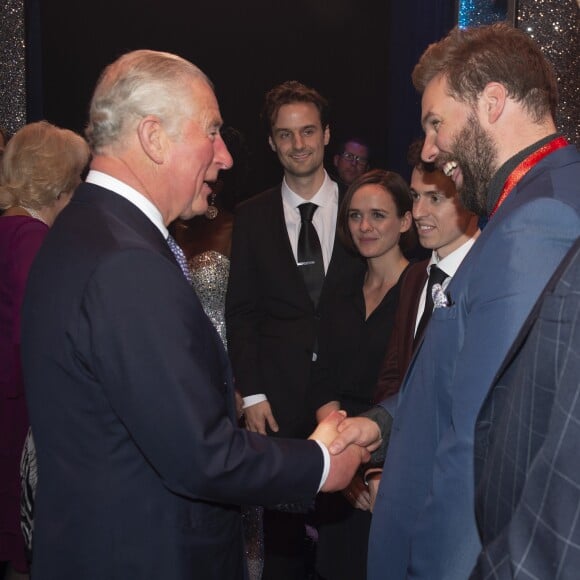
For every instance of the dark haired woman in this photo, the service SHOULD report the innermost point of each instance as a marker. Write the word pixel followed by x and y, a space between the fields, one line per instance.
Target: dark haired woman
pixel 374 216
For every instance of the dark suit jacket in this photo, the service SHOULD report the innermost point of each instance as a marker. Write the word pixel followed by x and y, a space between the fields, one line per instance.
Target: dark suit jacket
pixel 400 347
pixel 131 404
pixel 527 444
pixel 423 522
pixel 272 325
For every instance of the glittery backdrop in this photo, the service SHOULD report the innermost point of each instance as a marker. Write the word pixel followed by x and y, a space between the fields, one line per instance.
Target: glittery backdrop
pixel 555 26
pixel 12 71
pixel 477 12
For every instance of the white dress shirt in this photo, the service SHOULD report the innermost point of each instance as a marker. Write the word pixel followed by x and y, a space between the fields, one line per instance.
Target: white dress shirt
pixel 323 220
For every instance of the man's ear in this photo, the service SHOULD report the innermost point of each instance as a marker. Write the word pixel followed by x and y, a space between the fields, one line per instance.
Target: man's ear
pixel 406 222
pixel 493 100
pixel 152 138
pixel 327 134
pixel 271 142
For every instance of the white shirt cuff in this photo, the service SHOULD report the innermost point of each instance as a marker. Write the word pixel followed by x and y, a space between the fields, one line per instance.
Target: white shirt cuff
pixel 326 467
pixel 253 400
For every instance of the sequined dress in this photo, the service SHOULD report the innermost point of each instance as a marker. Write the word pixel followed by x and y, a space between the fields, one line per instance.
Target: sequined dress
pixel 210 272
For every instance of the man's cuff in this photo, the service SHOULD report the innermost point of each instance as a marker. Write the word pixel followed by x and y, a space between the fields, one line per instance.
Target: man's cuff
pixel 254 400
pixel 326 467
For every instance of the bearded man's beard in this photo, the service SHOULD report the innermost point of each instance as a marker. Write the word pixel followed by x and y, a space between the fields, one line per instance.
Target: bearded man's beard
pixel 476 154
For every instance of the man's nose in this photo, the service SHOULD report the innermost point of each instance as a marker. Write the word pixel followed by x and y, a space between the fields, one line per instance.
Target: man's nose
pixel 430 150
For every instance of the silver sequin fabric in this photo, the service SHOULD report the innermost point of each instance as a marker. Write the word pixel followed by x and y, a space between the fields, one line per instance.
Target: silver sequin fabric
pixel 12 66
pixel 210 272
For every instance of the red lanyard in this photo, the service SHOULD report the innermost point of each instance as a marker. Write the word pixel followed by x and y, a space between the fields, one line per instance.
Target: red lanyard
pixel 525 166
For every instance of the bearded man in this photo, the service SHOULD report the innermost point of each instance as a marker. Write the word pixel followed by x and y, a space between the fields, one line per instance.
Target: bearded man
pixel 488 103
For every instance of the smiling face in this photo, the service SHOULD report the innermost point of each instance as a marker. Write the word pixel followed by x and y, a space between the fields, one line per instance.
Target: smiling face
pixel 196 155
pixel 373 222
pixel 457 143
pixel 299 139
pixel 443 223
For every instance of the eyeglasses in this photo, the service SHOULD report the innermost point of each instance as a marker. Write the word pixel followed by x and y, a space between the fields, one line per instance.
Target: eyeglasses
pixel 356 159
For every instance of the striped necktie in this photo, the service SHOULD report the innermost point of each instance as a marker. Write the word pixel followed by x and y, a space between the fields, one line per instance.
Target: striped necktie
pixel 180 257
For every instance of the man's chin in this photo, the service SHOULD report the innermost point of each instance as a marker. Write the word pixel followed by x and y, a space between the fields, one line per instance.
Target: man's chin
pixel 472 201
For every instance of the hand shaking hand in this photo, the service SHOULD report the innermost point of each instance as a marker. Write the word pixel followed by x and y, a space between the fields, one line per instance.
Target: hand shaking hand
pixel 343 465
pixel 361 431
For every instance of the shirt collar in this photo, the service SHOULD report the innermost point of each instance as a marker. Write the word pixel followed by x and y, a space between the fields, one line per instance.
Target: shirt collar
pixel 131 195
pixel 450 263
pixel 324 196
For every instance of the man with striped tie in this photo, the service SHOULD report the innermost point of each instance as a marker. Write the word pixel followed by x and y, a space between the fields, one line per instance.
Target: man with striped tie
pixel 141 463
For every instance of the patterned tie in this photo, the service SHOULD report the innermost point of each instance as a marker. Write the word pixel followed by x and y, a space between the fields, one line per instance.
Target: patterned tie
pixel 436 276
pixel 180 257
pixel 310 253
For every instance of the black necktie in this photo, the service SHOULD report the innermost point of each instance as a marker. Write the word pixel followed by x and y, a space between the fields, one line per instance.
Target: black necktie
pixel 310 253
pixel 436 276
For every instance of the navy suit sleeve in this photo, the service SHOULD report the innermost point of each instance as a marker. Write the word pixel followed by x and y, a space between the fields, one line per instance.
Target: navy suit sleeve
pixel 165 376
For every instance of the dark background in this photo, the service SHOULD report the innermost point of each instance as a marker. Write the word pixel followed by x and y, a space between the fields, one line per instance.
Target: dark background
pixel 357 53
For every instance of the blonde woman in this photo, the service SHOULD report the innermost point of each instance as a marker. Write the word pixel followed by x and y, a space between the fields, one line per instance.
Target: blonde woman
pixel 40 168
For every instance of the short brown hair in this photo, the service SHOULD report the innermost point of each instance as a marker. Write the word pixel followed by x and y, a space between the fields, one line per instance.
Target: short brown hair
pixel 391 182
pixel 40 162
pixel 292 92
pixel 471 58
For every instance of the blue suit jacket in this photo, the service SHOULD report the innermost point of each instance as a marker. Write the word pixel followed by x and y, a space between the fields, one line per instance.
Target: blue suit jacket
pixel 527 444
pixel 130 395
pixel 424 523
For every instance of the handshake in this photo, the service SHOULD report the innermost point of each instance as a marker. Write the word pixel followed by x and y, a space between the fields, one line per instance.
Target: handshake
pixel 350 442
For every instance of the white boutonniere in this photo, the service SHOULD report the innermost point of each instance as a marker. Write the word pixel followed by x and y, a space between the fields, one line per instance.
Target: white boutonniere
pixel 440 298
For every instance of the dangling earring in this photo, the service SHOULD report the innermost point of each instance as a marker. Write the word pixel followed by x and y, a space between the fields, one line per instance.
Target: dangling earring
pixel 211 211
